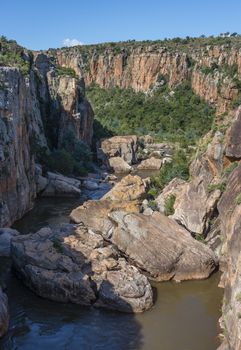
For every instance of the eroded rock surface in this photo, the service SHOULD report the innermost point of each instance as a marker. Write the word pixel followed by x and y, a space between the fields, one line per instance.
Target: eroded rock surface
pixel 73 264
pixel 4 314
pixel 230 215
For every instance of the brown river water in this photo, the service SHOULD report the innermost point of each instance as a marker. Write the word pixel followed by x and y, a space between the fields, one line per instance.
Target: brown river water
pixel 184 317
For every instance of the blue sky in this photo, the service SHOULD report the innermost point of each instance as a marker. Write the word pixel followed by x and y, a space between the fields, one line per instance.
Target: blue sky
pixel 40 24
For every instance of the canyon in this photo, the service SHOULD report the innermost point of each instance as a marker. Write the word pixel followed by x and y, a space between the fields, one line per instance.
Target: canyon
pixel 116 238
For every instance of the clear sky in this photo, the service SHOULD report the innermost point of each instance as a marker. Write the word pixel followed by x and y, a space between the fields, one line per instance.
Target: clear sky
pixel 40 24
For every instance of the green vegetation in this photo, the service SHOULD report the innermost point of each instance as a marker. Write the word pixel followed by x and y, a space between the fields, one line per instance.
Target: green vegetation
pixel 199 237
pixel 13 55
pixel 64 71
pixel 177 116
pixel 169 205
pixel 72 158
pixel 178 168
pixel 230 168
pixel 153 205
pixel 220 186
pixel 57 245
pixel 238 199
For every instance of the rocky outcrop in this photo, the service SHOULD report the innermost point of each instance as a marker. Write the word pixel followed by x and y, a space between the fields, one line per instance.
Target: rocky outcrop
pixel 233 142
pixel 156 244
pixel 119 165
pixel 4 314
pixel 197 199
pixel 130 188
pixel 230 215
pixel 150 164
pixel 19 117
pixel 36 111
pixel 74 264
pixel 6 235
pixel 144 67
pixel 57 185
pixel 116 147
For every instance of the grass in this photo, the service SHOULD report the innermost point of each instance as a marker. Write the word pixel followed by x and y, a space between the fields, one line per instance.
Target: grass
pixel 169 205
pixel 220 186
pixel 238 199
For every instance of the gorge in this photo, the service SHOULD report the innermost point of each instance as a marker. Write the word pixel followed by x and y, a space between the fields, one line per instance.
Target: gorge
pixel 181 224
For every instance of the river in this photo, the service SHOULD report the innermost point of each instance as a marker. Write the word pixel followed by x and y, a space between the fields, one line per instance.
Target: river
pixel 184 317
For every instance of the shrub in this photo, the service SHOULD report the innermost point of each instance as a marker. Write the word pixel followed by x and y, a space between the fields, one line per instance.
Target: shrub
pixel 220 186
pixel 169 205
pixel 238 199
pixel 153 205
pixel 180 116
pixel 65 71
pixel 178 168
pixel 230 168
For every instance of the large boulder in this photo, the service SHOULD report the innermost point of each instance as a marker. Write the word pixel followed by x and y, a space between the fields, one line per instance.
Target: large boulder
pixel 73 264
pixel 128 189
pixel 174 188
pixel 4 314
pixel 161 247
pixel 152 163
pixel 57 185
pixel 196 201
pixel 94 214
pixel 6 235
pixel 119 165
pixel 118 146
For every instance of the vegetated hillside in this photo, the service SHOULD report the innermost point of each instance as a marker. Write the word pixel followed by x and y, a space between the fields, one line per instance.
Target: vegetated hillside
pixel 168 114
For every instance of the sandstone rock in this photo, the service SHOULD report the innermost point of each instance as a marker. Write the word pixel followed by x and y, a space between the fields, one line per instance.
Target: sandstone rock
pixel 150 163
pixel 174 188
pixel 94 214
pixel 90 185
pixel 119 165
pixel 119 146
pixel 229 209
pixel 4 314
pixel 6 235
pixel 128 189
pixel 73 264
pixel 195 203
pixel 233 142
pixel 161 247
pixel 62 186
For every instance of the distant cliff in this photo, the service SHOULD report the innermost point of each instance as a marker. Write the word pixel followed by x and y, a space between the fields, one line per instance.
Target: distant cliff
pixel 214 68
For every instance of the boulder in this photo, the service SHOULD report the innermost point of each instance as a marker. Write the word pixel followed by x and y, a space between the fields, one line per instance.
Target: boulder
pixel 6 235
pixel 173 188
pixel 73 264
pixel 150 164
pixel 4 313
pixel 195 201
pixel 128 189
pixel 161 247
pixel 94 214
pixel 61 186
pixel 119 146
pixel 119 165
pixel 90 185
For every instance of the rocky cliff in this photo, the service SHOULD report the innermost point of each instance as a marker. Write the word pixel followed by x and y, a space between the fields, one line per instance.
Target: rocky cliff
pixel 37 109
pixel 214 70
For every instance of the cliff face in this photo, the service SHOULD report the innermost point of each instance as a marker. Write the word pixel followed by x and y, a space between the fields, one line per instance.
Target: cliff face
pixel 213 70
pixel 36 111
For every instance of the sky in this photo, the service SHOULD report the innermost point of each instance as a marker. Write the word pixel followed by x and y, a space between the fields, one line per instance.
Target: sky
pixel 42 24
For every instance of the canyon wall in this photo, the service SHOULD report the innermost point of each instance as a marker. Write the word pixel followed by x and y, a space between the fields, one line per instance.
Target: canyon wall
pixel 36 112
pixel 213 70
